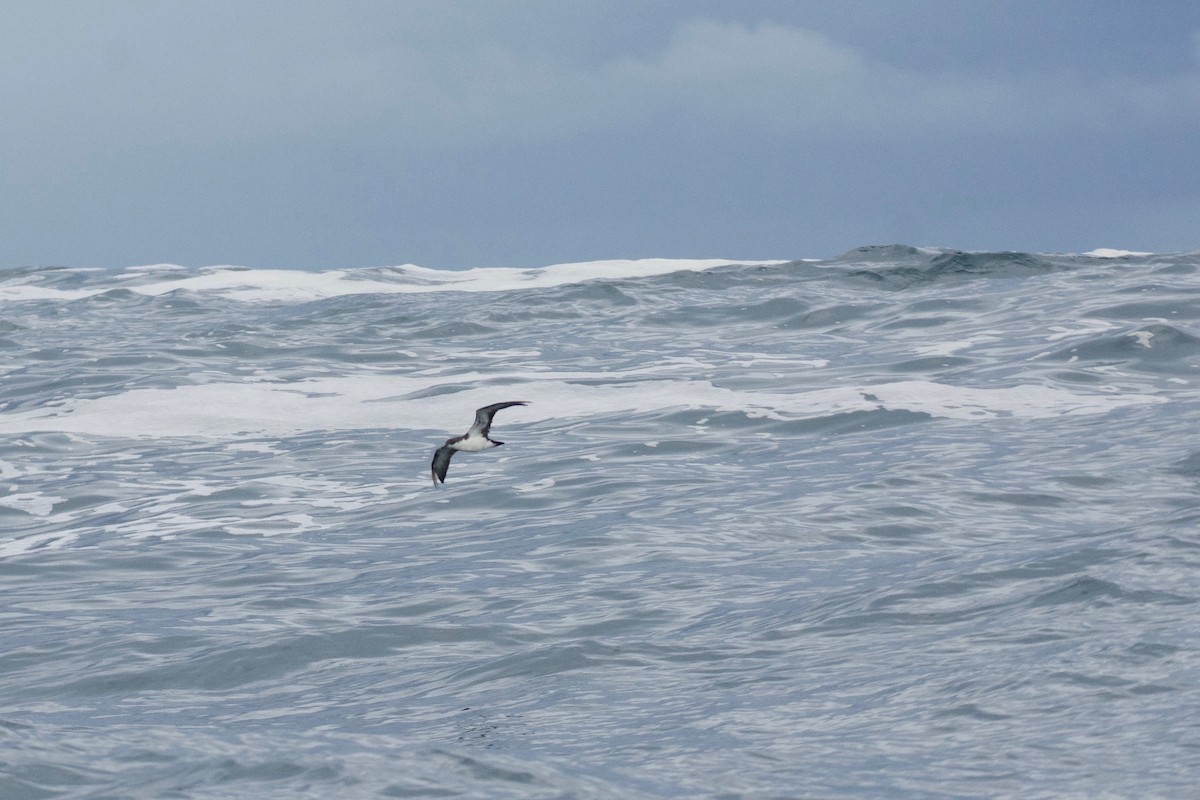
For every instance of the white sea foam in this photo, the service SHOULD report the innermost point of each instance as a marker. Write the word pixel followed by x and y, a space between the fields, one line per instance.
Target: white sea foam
pixel 1108 252
pixel 34 503
pixel 8 470
pixel 37 541
pixel 944 348
pixel 20 292
pixel 285 285
pixel 1144 338
pixel 291 286
pixel 1089 327
pixel 368 401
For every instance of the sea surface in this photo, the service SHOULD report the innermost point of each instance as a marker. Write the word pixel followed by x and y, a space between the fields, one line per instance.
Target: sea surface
pixel 905 523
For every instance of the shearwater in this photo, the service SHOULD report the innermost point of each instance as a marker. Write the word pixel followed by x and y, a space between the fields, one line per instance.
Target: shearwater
pixel 473 441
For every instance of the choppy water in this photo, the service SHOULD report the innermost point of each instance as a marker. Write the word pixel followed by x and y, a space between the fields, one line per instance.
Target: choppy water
pixel 905 524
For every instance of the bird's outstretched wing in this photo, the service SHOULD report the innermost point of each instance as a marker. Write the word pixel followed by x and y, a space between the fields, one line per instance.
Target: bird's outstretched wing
pixel 441 463
pixel 483 417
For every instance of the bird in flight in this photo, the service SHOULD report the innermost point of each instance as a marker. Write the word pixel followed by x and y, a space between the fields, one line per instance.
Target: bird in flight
pixel 473 441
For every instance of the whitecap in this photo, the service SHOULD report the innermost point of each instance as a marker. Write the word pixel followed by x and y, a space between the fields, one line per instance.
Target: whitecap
pixel 1108 252
pixel 295 286
pixel 254 409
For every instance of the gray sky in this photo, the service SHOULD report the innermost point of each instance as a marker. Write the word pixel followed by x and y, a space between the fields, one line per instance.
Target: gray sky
pixel 313 134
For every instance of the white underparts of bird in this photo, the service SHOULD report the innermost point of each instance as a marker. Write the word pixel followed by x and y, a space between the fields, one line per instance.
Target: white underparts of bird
pixel 473 441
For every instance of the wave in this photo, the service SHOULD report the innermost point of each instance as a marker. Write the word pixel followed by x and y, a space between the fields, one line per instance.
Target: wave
pixel 1148 347
pixel 901 266
pixel 896 266
pixel 283 285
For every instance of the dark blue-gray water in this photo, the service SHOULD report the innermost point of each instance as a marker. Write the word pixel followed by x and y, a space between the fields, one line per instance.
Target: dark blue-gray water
pixel 906 523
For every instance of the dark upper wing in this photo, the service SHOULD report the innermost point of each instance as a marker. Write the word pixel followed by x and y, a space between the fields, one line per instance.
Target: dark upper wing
pixel 441 463
pixel 483 417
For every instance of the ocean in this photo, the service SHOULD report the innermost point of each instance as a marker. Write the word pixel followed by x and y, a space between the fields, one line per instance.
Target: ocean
pixel 905 523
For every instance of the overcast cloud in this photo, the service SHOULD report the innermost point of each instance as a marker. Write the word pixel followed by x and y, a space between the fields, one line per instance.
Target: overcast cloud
pixel 457 134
